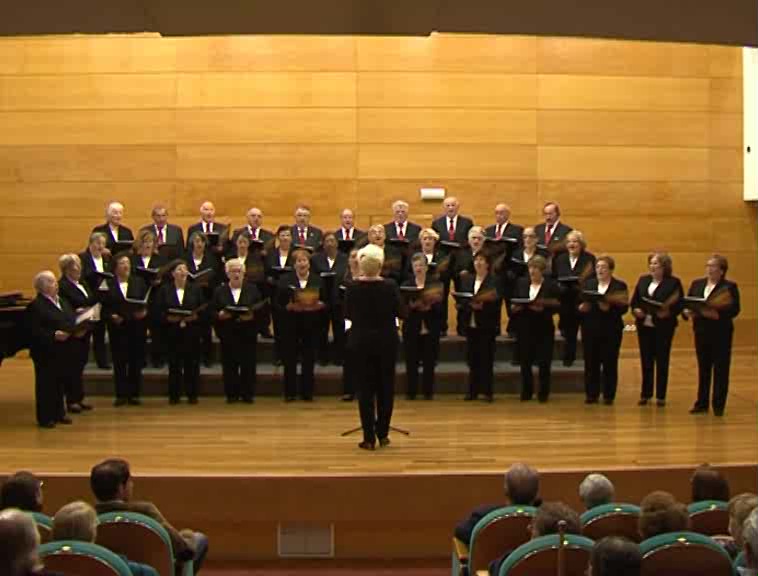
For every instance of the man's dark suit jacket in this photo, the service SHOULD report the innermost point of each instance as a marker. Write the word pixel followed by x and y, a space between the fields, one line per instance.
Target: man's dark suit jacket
pixel 44 319
pixel 339 233
pixel 411 231
pixel 174 237
pixel 668 287
pixel 314 237
pixel 558 237
pixel 511 231
pixel 218 228
pixel 462 226
pixel 724 322
pixel 124 234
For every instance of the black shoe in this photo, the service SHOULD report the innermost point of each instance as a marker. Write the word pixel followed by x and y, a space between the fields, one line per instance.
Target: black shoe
pixel 47 425
pixel 208 363
pixel 120 402
pixel 384 442
pixel 348 397
pixel 642 402
pixel 65 420
pixel 266 334
pixel 590 400
pixel 698 410
pixel 526 398
pixel 542 399
pixel 568 362
pixel 718 412
pixel 74 409
pixel 290 398
pixel 428 396
pixel 134 402
pixel 157 364
pixel 86 407
pixel 173 401
pixel 660 403
pixel 231 400
pixel 192 400
pixel 307 398
pixel 323 362
pixel 248 400
pixel 608 401
pixel 367 446
pixel 104 366
pixel 469 397
pixel 410 396
pixel 489 398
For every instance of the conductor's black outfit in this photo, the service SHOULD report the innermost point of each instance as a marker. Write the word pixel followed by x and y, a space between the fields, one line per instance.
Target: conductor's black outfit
pixel 238 342
pixel 480 328
pixel 570 319
pixel 127 339
pixel 421 336
pixel 713 343
pixel 602 332
pixel 373 306
pixel 52 359
pixel 536 334
pixel 656 334
pixel 78 297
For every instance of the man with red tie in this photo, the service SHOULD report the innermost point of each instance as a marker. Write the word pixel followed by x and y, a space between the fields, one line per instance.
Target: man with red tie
pixel 303 234
pixel 504 228
pixel 347 229
pixel 169 237
pixel 451 227
pixel 400 228
pixel 552 234
pixel 253 230
pixel 207 225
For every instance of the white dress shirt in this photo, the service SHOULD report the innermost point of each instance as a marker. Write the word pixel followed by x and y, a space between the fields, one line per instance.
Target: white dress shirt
pixel 650 291
pixel 180 295
pixel 145 261
pixel 98 263
pixel 124 287
pixel 330 261
pixel 283 259
pixel 708 289
pixel 534 290
pixel 303 283
pixel 236 294
pixel 603 288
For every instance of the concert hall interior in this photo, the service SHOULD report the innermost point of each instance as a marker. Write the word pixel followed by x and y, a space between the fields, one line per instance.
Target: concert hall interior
pixel 640 143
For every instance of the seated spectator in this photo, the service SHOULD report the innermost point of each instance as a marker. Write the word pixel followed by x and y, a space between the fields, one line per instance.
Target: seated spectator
pixel 615 556
pixel 23 490
pixel 750 538
pixel 661 513
pixel 522 484
pixel 709 484
pixel 740 508
pixel 78 521
pixel 596 490
pixel 19 541
pixel 112 484
pixel 546 522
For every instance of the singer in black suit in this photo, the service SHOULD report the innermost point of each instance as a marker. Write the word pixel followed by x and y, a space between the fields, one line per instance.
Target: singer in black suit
pixel 168 237
pixel 463 262
pixel 277 262
pixel 575 263
pixel 127 330
pixel 182 332
pixel 552 233
pixel 478 317
pixel 261 239
pixel 145 259
pixel 451 227
pixel 713 329
pixel 602 330
pixel 94 260
pixel 373 305
pixel 80 297
pixel 300 298
pixel 303 234
pixel 208 225
pixel 504 229
pixel 202 260
pixel 400 227
pixel 656 323
pixel 421 327
pixel 534 327
pixel 50 320
pixel 347 229
pixel 238 332
pixel 112 229
pixel 331 265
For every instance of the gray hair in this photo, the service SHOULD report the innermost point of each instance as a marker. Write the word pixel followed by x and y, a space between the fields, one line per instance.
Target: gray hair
pixel 475 231
pixel 19 540
pixel 596 490
pixel 234 263
pixel 113 206
pixel 75 521
pixel 371 259
pixel 750 538
pixel 97 236
pixel 579 237
pixel 67 260
pixel 400 203
pixel 41 279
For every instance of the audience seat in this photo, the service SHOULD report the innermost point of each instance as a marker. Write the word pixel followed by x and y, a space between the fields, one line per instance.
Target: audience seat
pixel 539 557
pixel 44 526
pixel 141 539
pixel 611 520
pixel 739 562
pixel 684 554
pixel 709 517
pixel 501 530
pixel 73 558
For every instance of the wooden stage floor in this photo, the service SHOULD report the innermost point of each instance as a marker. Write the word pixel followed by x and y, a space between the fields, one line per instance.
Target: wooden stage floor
pixel 448 435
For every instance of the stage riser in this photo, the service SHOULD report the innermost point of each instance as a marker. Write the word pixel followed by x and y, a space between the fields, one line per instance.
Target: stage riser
pixel 451 378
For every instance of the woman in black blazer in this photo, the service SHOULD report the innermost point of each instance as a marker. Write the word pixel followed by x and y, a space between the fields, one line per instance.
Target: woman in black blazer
pixel 348 364
pixel 602 330
pixel 535 300
pixel 421 328
pixel 202 260
pixel 713 327
pixel 80 297
pixel 372 305
pixel 237 331
pixel 182 307
pixel 300 300
pixel 145 261
pixel 96 259
pixel 570 270
pixel 276 263
pixel 656 302
pixel 477 319
pixel 127 330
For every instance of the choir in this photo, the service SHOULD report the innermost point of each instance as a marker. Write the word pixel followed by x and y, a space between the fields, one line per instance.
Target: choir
pixel 300 280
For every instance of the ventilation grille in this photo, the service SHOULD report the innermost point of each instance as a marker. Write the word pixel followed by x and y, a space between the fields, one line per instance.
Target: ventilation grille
pixel 296 540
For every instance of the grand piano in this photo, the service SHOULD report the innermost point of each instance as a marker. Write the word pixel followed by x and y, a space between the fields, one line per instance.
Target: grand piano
pixel 13 331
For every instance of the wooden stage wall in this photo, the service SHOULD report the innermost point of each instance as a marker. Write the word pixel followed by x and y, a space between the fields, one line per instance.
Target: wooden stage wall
pixel 639 142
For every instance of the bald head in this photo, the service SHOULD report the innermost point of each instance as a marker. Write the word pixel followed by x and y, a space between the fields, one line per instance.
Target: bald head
pixel 19 540
pixel 522 484
pixel 45 283
pixel 502 213
pixel 451 206
pixel 207 211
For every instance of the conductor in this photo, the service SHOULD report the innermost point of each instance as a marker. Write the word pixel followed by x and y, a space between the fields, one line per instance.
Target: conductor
pixel 372 305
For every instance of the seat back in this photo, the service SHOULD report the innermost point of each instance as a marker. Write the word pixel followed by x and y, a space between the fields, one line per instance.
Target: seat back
pixel 684 554
pixel 499 531
pixel 539 557
pixel 709 517
pixel 139 538
pixel 71 558
pixel 44 526
pixel 611 520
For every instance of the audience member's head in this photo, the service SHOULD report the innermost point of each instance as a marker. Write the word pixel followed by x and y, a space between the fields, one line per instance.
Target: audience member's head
pixel 522 484
pixel 709 484
pixel 596 490
pixel 661 513
pixel 615 556
pixel 111 480
pixel 740 508
pixel 23 490
pixel 550 514
pixel 750 539
pixel 19 540
pixel 75 521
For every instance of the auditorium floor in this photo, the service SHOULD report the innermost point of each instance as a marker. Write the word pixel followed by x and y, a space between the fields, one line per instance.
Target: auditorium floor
pixel 447 434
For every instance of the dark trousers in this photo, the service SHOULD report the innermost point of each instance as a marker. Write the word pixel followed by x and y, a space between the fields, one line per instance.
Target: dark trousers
pixel 375 373
pixel 480 350
pixel 601 357
pixel 348 374
pixel 535 347
pixel 98 344
pixel 278 318
pixel 128 352
pixel 420 348
pixel 183 361
pixel 655 353
pixel 714 354
pixel 157 340
pixel 333 317
pixel 238 363
pixel 73 386
pixel 300 344
pixel 445 299
pixel 206 342
pixel 569 327
pixel 49 379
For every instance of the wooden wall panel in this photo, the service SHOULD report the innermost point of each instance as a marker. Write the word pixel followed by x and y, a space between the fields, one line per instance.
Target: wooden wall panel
pixel 726 164
pixel 726 95
pixel 725 62
pixel 726 130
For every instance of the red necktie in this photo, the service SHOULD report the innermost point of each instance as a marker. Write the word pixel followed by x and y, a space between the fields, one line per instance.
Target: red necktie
pixel 451 231
pixel 301 236
pixel 348 233
pixel 160 235
pixel 400 234
pixel 253 232
pixel 499 233
pixel 548 234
